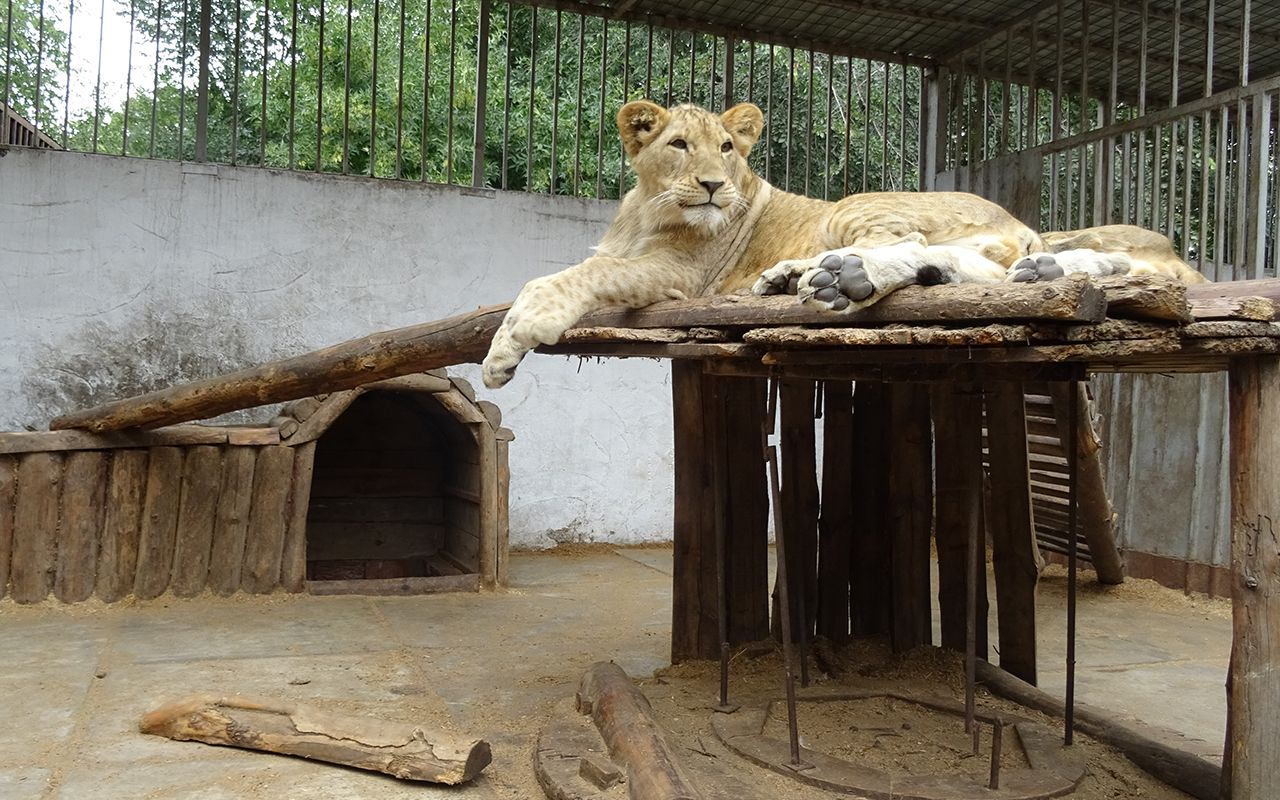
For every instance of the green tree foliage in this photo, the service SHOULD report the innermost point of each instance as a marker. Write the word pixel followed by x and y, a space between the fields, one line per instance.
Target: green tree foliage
pixel 33 53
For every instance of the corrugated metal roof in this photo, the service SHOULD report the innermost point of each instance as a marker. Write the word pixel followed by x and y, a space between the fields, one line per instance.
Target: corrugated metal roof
pixel 1091 33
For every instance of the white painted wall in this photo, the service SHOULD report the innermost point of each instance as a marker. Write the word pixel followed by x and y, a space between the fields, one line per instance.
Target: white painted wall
pixel 119 275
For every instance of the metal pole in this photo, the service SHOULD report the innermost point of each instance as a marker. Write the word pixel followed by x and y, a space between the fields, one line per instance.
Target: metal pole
pixel 971 627
pixel 997 746
pixel 202 85
pixel 719 463
pixel 1073 411
pixel 783 598
pixel 482 94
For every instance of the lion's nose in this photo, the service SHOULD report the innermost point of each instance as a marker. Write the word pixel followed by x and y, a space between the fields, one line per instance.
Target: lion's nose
pixel 711 187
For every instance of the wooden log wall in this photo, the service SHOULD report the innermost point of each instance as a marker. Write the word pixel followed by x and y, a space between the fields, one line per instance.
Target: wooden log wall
pixel 109 523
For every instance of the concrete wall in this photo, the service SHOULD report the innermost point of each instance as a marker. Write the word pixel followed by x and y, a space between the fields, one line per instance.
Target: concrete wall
pixel 122 275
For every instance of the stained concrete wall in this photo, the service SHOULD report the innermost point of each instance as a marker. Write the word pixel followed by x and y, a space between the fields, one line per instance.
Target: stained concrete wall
pixel 121 275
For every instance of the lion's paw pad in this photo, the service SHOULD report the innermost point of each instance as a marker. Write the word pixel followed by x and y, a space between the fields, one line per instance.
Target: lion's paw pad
pixel 1042 267
pixel 836 282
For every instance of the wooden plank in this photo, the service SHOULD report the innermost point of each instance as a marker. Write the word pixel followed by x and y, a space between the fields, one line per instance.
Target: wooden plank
pixel 390 587
pixel 8 491
pixel 957 426
pixel 253 436
pixel 122 525
pixel 1265 287
pixel 197 513
pixel 746 507
pixel 268 519
pixel 51 441
pixel 1145 297
pixel 159 522
pixel 1228 329
pixel 375 509
pixel 910 514
pixel 1244 308
pixel 835 524
pixel 231 520
pixel 334 406
pixel 870 610
pixel 35 526
pixel 1254 695
pixel 488 529
pixel 694 631
pixel 84 486
pixel 688 350
pixel 503 545
pixel 798 472
pixel 1015 557
pixel 999 356
pixel 795 336
pixel 293 560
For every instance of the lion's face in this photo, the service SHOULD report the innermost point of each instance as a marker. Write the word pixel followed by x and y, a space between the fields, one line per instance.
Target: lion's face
pixel 689 161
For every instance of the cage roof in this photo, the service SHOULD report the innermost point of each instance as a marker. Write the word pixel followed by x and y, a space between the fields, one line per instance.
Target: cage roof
pixel 977 34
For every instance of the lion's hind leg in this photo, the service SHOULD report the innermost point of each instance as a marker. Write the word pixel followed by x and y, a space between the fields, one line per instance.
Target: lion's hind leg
pixel 1047 266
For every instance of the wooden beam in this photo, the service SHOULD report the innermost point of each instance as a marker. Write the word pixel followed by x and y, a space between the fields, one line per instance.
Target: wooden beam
pixel 1254 702
pixel 909 514
pixel 870 610
pixel 798 472
pixel 84 485
pixel 201 479
pixel 957 426
pixel 743 402
pixel 8 489
pixel 835 525
pixel 694 628
pixel 121 529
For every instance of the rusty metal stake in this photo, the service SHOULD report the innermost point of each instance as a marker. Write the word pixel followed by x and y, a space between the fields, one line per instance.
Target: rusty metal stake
pixel 1073 412
pixel 971 628
pixel 997 744
pixel 785 606
pixel 720 464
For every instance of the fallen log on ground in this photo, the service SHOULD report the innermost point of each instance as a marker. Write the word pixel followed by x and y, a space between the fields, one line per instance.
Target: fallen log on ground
pixel 401 749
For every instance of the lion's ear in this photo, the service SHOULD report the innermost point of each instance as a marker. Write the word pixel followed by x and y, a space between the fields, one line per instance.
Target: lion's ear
pixel 744 122
pixel 638 122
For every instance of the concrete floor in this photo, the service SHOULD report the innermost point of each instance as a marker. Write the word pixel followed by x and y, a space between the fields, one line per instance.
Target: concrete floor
pixel 76 679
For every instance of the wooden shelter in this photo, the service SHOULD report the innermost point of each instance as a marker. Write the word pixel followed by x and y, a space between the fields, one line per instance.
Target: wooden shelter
pixel 393 487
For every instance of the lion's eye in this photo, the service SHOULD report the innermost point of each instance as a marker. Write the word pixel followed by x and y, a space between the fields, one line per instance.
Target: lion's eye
pixel 679 144
pixel 726 147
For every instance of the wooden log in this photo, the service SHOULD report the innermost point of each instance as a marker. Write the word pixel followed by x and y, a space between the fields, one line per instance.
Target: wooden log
pixel 285 426
pixel 1254 703
pixel 159 522
pixel 334 406
pixel 1145 297
pixel 694 625
pixel 8 491
pixel 201 479
pixel 633 737
pixel 1228 329
pixel 835 525
pixel 406 750
pixel 1107 330
pixel 492 413
pixel 35 526
pixel 746 507
pixel 293 559
pixel 870 612
pixel 1204 308
pixel 268 519
pixel 1185 771
pixel 957 426
pixel 799 476
pixel 51 441
pixel 253 436
pixel 416 382
pixel 1015 557
pixel 1095 517
pixel 465 338
pixel 84 486
pixel 503 546
pixel 910 514
pixel 795 336
pixel 122 525
pixel 302 408
pixel 487 445
pixel 1265 287
pixel 231 520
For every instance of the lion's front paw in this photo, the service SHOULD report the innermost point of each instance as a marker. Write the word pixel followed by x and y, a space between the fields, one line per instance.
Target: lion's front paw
pixel 781 278
pixel 1035 267
pixel 836 282
pixel 1047 266
pixel 504 355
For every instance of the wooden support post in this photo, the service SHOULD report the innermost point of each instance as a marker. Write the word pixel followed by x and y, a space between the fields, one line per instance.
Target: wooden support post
pixel 201 477
pixel 293 561
pixel 800 498
pixel 35 526
pixel 118 552
pixel 84 484
pixel 835 527
pixel 231 520
pixel 694 631
pixel 870 606
pixel 503 441
pixel 1009 521
pixel 1097 522
pixel 747 507
pixel 159 522
pixel 8 489
pixel 910 514
pixel 268 518
pixel 1254 705
pixel 957 427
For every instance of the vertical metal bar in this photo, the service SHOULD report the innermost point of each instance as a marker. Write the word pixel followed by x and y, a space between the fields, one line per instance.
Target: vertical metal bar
pixel 155 82
pixel 373 88
pixel 808 127
pixel 711 73
pixel 577 107
pixel 884 129
pixel 1140 193
pixel 66 98
pixel 453 93
pixel 1033 106
pixel 788 656
pixel 604 60
pixel 1220 197
pixel 128 83
pixel 626 93
pixel 1174 80
pixel 671 64
pixel 826 132
pixel 981 151
pixel 751 71
pixel 97 85
pixel 1056 121
pixel 730 76
pixel 1005 89
pixel 902 129
pixel 768 104
pixel 346 91
pixel 320 92
pixel 1083 113
pixel 1113 98
pixel 424 145
pixel 1073 424
pixel 482 94
pixel 693 66
pixel 997 749
pixel 866 122
pixel 555 108
pixel 35 118
pixel 533 71
pixel 848 120
pixel 8 71
pixel 973 562
pixel 293 77
pixel 791 91
pixel 400 97
pixel 235 89
pixel 648 62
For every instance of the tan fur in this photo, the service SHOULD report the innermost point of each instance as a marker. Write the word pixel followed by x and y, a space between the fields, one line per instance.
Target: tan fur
pixel 673 238
pixel 1152 253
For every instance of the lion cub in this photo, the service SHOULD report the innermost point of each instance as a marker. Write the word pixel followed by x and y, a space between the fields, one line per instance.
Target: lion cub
pixel 700 222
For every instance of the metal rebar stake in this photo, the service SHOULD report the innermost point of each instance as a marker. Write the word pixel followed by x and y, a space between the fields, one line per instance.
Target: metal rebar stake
pixel 1073 411
pixel 971 630
pixel 722 597
pixel 785 611
pixel 997 745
